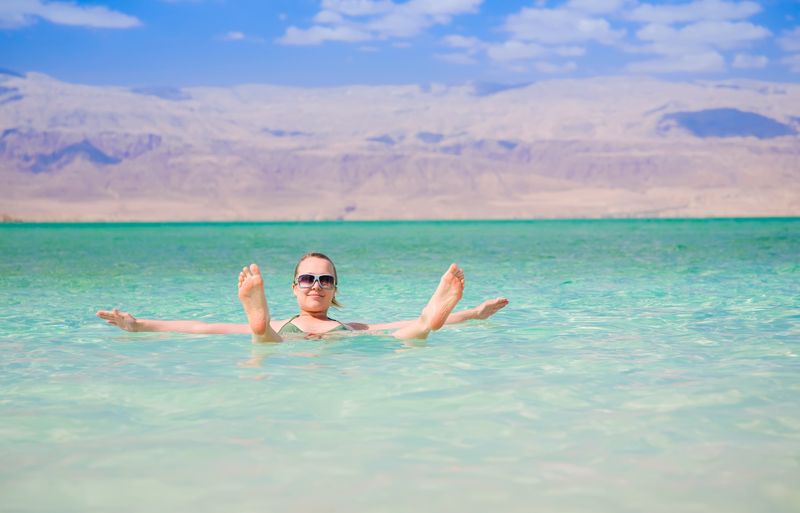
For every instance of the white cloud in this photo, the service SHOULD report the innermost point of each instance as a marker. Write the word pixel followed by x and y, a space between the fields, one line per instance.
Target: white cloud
pixel 690 36
pixel 236 35
pixel 550 35
pixel 747 61
pixel 792 62
pixel 409 19
pixel 328 17
pixel 398 24
pixel 551 68
pixel 596 6
pixel 469 44
pixel 570 51
pixel 519 68
pixel 360 20
pixel 456 58
pixel 559 26
pixel 706 10
pixel 536 33
pixel 458 41
pixel 21 13
pixel 514 51
pixel 511 54
pixel 702 35
pixel 790 40
pixel 710 61
pixel 318 34
pixel 358 7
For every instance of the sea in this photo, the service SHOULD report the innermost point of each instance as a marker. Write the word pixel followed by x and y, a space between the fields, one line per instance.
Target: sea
pixel 640 366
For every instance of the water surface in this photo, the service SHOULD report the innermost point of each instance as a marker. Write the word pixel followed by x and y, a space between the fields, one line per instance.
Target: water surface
pixel 641 366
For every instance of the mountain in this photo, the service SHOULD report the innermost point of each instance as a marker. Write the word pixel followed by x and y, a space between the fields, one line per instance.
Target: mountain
pixel 602 147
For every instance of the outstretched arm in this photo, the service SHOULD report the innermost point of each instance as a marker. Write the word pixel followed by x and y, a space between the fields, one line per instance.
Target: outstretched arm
pixel 482 311
pixel 127 322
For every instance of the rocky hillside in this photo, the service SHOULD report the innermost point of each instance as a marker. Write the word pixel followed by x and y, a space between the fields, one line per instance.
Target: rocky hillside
pixel 566 148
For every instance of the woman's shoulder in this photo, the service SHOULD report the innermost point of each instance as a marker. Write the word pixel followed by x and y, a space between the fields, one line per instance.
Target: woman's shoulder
pixel 356 326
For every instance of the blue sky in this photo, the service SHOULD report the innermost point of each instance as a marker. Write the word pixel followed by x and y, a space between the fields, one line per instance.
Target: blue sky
pixel 339 42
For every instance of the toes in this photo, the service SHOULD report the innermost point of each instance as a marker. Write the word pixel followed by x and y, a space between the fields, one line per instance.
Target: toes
pixel 455 271
pixel 254 269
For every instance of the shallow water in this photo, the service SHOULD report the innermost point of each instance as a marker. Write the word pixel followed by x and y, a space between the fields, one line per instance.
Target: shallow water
pixel 641 366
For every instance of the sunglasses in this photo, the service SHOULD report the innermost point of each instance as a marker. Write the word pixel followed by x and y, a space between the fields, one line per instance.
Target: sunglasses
pixel 306 281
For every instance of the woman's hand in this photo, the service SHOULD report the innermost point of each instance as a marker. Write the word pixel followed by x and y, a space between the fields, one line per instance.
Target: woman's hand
pixel 122 320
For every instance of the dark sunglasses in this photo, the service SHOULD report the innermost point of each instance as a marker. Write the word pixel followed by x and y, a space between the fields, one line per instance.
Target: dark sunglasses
pixel 306 281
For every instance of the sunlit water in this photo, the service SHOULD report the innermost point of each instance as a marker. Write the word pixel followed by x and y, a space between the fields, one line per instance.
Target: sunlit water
pixel 641 366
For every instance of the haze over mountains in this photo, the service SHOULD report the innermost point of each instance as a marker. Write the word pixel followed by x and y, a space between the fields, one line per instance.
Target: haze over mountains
pixel 563 148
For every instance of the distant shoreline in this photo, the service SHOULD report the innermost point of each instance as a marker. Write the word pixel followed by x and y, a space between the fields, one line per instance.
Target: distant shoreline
pixel 20 222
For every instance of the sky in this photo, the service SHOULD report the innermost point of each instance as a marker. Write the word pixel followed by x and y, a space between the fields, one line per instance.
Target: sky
pixel 321 43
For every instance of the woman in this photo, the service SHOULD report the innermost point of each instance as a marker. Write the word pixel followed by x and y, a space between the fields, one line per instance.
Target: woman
pixel 314 287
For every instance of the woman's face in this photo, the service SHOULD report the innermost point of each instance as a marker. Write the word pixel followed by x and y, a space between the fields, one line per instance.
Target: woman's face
pixel 315 298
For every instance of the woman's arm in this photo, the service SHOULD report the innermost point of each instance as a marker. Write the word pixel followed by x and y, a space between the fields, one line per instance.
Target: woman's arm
pixel 127 322
pixel 482 311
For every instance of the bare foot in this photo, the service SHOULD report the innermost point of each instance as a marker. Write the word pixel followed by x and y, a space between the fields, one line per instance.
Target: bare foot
pixel 444 299
pixel 122 320
pixel 490 307
pixel 251 295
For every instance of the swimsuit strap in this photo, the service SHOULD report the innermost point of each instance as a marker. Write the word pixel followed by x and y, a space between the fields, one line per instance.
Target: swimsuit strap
pixel 289 322
pixel 343 325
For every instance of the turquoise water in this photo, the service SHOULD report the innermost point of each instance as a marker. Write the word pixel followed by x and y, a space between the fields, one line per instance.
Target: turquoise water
pixel 640 366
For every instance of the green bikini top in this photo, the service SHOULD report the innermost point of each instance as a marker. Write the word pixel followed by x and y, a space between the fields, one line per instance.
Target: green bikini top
pixel 288 327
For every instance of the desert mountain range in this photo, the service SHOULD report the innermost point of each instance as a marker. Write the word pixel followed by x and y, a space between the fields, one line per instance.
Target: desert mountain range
pixel 600 147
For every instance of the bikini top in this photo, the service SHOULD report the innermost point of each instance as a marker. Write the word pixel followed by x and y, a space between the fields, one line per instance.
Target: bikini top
pixel 288 327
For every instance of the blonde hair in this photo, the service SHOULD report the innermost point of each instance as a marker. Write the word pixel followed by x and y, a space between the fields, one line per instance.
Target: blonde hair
pixel 314 254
